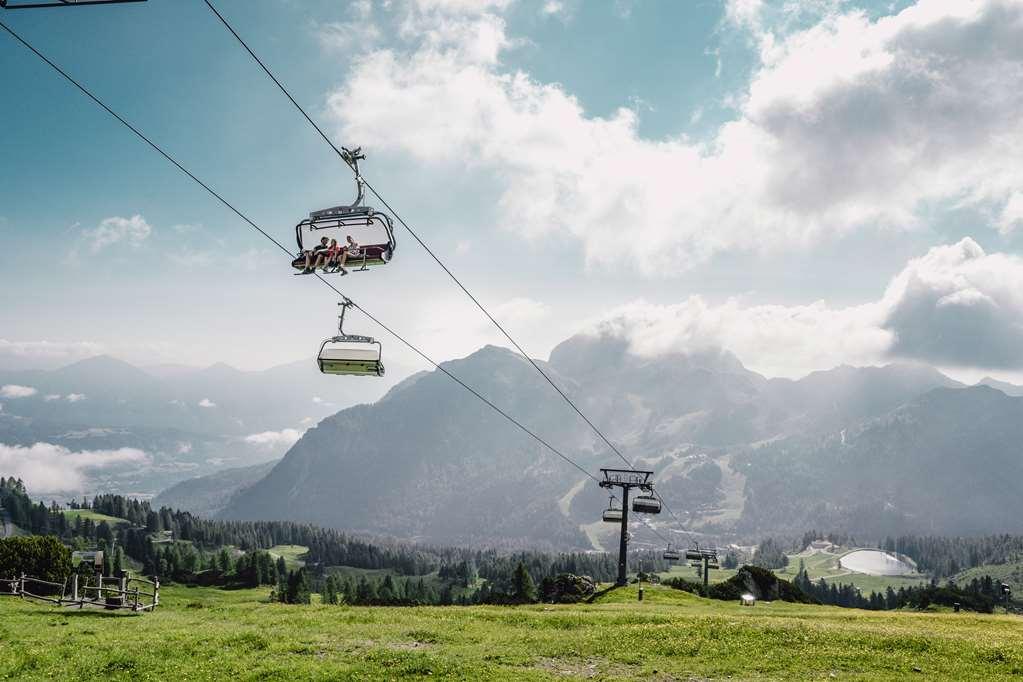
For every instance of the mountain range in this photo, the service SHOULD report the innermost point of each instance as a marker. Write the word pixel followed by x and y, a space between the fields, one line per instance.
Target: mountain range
pixel 735 454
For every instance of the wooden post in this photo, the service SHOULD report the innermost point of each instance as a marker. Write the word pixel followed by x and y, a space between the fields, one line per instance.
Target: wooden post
pixel 156 591
pixel 74 587
pixel 21 587
pixel 136 608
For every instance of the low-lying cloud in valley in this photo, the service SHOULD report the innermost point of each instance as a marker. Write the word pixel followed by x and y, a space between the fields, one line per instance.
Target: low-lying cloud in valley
pixel 273 439
pixel 48 468
pixel 15 391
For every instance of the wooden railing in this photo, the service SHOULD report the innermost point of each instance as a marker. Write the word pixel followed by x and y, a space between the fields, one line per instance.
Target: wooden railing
pixel 126 594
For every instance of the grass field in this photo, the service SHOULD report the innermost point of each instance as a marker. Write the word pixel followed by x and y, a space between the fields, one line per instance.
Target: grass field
pixel 96 517
pixel 291 554
pixel 203 633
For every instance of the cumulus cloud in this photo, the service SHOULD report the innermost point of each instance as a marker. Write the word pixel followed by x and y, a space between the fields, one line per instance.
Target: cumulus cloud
pixel 958 306
pixel 273 439
pixel 849 124
pixel 206 402
pixel 132 231
pixel 955 306
pixel 774 339
pixel 16 391
pixel 75 397
pixel 50 397
pixel 49 468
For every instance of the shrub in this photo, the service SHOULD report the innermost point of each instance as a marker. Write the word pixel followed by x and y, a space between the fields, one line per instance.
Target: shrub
pixel 38 556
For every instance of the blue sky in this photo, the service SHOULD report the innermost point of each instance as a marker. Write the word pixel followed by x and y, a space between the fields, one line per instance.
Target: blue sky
pixel 794 186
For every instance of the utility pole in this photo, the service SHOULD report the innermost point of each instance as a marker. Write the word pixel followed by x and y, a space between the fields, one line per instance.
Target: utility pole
pixel 626 479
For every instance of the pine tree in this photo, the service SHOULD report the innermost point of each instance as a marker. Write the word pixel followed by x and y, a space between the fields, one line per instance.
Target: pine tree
pixel 524 590
pixel 330 590
pixel 386 594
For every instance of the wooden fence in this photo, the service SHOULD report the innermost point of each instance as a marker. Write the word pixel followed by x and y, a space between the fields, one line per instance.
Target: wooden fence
pixel 126 593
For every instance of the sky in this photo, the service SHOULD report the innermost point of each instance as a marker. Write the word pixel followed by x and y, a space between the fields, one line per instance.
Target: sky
pixel 804 184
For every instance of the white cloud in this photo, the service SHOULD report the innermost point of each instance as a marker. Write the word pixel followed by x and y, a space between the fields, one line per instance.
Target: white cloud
pixel 520 311
pixel 306 421
pixel 52 468
pixel 114 230
pixel 15 391
pixel 956 306
pixel 273 439
pixel 959 306
pixel 849 124
pixel 773 339
pixel 352 35
pixel 206 402
pixel 50 397
pixel 46 353
pixel 75 397
pixel 184 447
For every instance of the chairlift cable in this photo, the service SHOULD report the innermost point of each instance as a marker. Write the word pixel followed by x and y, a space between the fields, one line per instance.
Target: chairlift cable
pixel 433 255
pixel 241 215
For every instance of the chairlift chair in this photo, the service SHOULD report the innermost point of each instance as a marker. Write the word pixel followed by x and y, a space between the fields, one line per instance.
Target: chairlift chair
pixel 350 354
pixel 671 554
pixel 694 555
pixel 612 514
pixel 646 504
pixel 372 231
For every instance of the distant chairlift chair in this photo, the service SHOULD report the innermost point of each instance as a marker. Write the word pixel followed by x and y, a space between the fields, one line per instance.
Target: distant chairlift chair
pixel 350 354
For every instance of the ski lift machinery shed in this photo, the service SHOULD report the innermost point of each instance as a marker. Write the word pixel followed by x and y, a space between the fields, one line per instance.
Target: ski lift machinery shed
pixel 371 230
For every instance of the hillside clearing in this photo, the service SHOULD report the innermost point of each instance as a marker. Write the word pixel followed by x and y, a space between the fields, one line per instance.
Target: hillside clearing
pixel 93 516
pixel 291 554
pixel 202 633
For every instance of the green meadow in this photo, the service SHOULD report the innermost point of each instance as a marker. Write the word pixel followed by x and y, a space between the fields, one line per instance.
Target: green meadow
pixel 205 633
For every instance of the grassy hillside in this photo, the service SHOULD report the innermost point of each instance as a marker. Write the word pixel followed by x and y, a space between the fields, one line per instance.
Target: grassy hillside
pixel 292 555
pixel 211 634
pixel 96 517
pixel 1006 573
pixel 818 565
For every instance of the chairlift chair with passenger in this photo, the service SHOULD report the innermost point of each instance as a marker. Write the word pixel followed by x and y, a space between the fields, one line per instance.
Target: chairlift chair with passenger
pixel 350 354
pixel 370 229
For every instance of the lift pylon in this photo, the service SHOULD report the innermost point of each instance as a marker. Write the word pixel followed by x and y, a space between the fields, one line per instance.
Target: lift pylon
pixel 626 479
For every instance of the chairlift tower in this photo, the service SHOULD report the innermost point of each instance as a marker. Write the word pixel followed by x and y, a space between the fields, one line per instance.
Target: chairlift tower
pixel 704 560
pixel 627 479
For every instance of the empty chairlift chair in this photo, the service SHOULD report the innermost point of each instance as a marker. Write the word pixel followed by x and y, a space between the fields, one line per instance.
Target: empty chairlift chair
pixel 612 514
pixel 350 354
pixel 646 504
pixel 671 554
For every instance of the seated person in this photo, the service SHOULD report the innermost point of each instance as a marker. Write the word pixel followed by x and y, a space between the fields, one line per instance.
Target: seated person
pixel 330 262
pixel 351 250
pixel 314 257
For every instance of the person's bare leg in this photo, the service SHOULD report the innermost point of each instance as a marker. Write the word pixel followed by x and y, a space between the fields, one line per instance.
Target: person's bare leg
pixel 344 259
